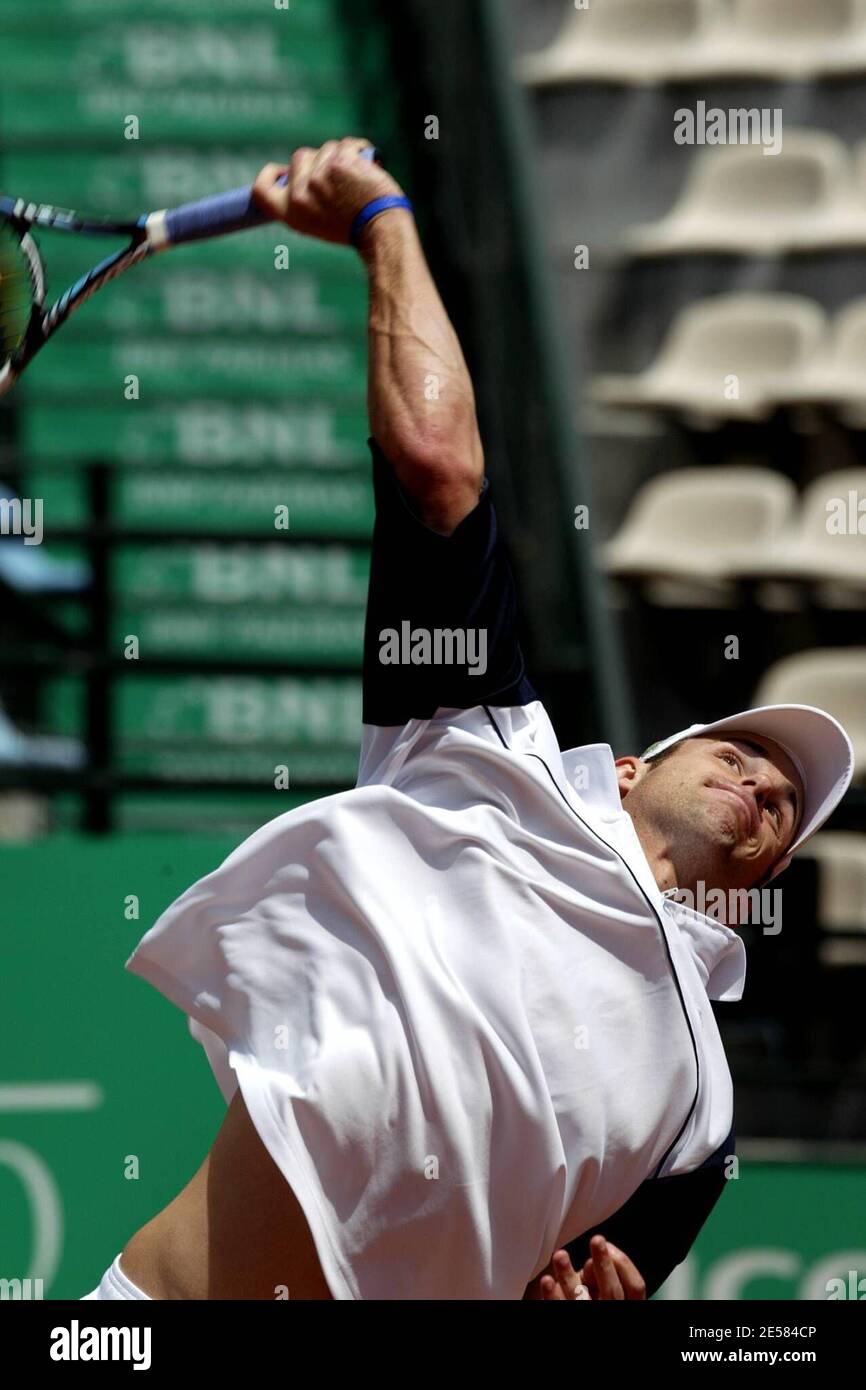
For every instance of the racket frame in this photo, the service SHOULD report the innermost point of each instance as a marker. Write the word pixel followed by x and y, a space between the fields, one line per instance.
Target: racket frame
pixel 23 217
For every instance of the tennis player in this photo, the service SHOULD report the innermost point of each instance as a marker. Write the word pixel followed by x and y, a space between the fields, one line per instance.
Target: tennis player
pixel 461 1013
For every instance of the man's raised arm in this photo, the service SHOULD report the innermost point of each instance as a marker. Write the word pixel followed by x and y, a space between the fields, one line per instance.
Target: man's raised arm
pixel 420 398
pixel 441 626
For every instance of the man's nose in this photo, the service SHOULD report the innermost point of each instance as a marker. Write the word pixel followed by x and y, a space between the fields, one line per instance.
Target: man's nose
pixel 760 784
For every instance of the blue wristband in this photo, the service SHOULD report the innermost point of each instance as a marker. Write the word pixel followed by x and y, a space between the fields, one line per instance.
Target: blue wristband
pixel 373 209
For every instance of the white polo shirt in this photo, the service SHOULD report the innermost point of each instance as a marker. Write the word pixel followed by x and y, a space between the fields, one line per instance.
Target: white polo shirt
pixel 466 1023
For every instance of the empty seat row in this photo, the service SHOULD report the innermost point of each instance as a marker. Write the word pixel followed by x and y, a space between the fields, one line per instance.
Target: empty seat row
pixel 737 200
pixel 741 356
pixel 740 522
pixel 650 41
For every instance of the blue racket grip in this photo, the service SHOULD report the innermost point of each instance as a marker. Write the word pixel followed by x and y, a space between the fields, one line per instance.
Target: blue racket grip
pixel 234 211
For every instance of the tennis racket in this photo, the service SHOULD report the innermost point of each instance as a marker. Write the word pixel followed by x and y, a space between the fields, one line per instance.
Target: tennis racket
pixel 26 324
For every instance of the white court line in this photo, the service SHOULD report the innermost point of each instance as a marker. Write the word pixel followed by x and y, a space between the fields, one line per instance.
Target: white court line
pixel 51 1095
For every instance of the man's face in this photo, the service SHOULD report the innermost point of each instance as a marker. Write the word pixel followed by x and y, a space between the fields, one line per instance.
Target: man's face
pixel 723 810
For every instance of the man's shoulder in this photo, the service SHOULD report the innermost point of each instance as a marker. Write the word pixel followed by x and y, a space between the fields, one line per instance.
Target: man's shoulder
pixel 508 730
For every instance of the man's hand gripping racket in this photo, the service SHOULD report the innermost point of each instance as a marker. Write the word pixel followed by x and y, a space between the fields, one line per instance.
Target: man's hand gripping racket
pixel 320 193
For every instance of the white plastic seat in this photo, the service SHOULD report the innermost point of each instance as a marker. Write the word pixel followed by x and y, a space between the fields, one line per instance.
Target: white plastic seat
pixel 701 523
pixel 851 228
pixel 733 356
pixel 741 201
pixel 834 679
pixel 838 377
pixel 841 858
pixel 826 544
pixel 627 41
pixel 842 894
pixel 791 40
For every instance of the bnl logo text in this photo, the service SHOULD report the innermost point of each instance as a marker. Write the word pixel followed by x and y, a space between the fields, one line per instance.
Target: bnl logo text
pixel 21 1288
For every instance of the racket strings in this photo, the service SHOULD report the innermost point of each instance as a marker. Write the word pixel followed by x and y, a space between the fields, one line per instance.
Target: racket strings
pixel 17 292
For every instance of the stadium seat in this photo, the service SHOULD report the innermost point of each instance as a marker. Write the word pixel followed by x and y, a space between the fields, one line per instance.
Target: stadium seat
pixel 627 41
pixel 841 859
pixel 791 40
pixel 826 543
pixel 733 356
pixel 855 230
pixel 739 201
pixel 831 678
pixel 690 531
pixel 838 377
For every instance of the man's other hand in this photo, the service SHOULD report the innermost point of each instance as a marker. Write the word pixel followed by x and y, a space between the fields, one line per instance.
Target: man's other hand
pixel 607 1274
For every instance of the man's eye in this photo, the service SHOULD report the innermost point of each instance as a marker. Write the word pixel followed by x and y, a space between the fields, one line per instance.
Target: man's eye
pixel 731 758
pixel 777 813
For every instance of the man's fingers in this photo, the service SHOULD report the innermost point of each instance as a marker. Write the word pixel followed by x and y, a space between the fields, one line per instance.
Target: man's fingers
pixel 565 1275
pixel 300 169
pixel 631 1280
pixel 633 1283
pixel 268 193
pixel 323 155
pixel 352 145
pixel 551 1291
pixel 606 1277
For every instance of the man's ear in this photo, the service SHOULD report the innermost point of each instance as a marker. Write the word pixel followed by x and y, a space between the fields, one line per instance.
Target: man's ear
pixel 629 771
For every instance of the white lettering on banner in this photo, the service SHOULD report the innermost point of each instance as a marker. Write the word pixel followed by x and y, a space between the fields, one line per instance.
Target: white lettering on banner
pixel 155 55
pixel 204 302
pixel 222 435
pixel 728 1276
pixel 46 1210
pixel 174 178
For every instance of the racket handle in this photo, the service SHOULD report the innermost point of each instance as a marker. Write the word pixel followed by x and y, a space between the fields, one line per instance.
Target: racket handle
pixel 234 211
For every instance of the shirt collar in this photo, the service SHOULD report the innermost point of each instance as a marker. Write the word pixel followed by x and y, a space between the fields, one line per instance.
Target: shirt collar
pixel 717 950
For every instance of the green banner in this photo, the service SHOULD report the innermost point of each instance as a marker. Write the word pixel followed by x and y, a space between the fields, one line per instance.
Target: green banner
pixel 200 432
pixel 255 767
pixel 290 368
pixel 788 1231
pixel 261 51
pixel 316 636
pixel 303 713
pixel 308 575
pixel 237 813
pixel 305 505
pixel 184 301
pixel 305 16
pixel 120 113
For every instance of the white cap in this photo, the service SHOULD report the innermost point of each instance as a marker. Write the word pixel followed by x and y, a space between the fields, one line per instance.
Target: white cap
pixel 815 742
